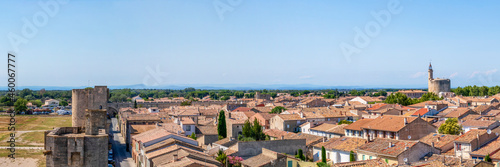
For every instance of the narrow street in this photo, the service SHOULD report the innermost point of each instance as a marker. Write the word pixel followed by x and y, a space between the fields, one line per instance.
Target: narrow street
pixel 122 157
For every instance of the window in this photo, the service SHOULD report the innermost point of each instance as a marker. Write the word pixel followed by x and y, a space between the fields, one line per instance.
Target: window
pixel 370 157
pixel 287 126
pixel 188 128
pixel 363 157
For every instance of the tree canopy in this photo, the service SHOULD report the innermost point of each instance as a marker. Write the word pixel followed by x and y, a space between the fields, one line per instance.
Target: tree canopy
pixel 277 110
pixel 450 126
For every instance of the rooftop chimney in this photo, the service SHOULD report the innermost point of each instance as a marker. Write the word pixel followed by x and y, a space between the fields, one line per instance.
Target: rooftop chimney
pixel 406 121
pixel 282 137
pixel 390 144
pixel 301 115
pixel 175 157
pixel 432 144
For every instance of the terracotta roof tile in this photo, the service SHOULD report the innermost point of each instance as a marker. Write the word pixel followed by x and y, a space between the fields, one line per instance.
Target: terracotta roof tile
pixel 470 135
pixel 343 144
pixel 381 146
pixel 490 148
pixel 439 140
pixel 358 124
pixel 331 128
pixel 388 123
pixel 366 163
pixel 290 117
pixel 478 123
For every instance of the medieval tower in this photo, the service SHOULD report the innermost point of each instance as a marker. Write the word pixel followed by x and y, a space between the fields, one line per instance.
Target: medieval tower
pixel 88 98
pixel 437 85
pixel 86 142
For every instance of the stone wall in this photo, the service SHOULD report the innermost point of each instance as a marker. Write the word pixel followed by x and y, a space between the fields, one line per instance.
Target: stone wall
pixel 207 139
pixel 95 120
pixel 96 150
pixel 417 129
pixel 439 85
pixel 69 146
pixel 416 152
pixel 253 148
pixel 82 99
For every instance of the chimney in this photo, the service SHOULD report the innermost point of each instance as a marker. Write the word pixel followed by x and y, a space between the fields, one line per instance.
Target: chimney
pixel 301 115
pixel 323 139
pixel 282 137
pixel 390 144
pixel 175 157
pixel 438 139
pixel 432 144
pixel 406 121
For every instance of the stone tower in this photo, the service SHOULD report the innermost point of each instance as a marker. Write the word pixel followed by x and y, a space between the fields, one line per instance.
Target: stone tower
pixel 430 72
pixel 86 143
pixel 88 98
pixel 437 85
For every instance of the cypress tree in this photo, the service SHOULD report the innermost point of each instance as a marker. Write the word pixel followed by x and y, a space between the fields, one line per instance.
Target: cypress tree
pixel 323 154
pixel 221 124
pixel 301 155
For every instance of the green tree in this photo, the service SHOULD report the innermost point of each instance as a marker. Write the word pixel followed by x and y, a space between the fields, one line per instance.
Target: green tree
pixel 450 126
pixel 257 131
pixel 25 92
pixel 135 104
pixel 345 122
pixel 323 154
pixel 193 136
pixel 487 158
pixel 277 110
pixel 247 139
pixel 239 94
pixel 300 155
pixel 322 164
pixel 64 103
pixel 224 98
pixel 247 129
pixel 29 97
pixel 221 124
pixel 20 105
pixel 221 157
pixel 186 103
pixel 352 158
pixel 6 101
pixel 37 103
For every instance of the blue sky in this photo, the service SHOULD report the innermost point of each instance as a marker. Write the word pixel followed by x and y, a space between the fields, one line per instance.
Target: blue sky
pixel 127 42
